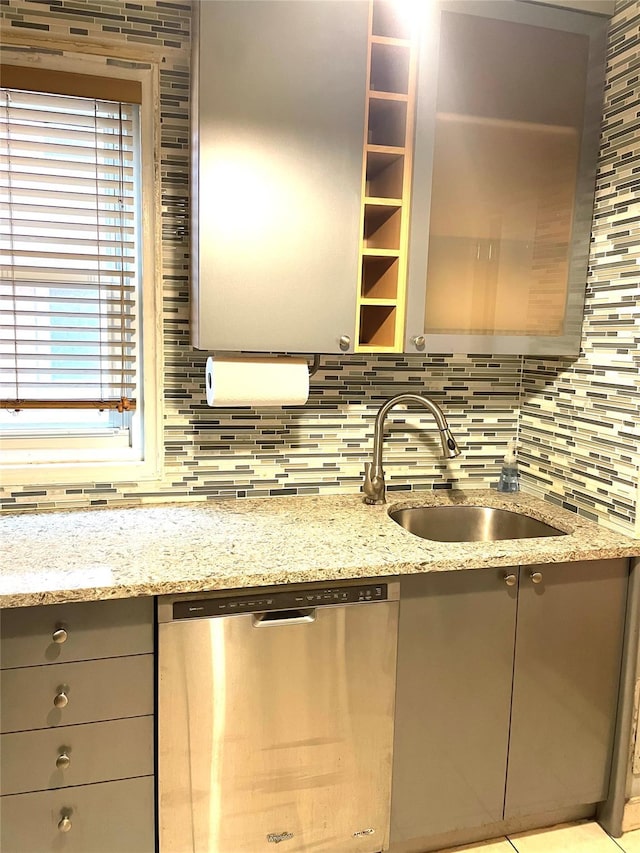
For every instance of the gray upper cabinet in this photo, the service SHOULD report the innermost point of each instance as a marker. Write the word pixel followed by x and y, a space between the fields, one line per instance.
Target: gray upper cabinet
pixel 364 184
pixel 277 124
pixel 507 130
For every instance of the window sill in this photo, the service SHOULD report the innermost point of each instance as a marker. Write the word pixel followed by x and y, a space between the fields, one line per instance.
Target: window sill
pixel 70 474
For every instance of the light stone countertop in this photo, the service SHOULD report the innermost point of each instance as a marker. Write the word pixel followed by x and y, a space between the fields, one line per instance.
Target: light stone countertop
pixel 85 555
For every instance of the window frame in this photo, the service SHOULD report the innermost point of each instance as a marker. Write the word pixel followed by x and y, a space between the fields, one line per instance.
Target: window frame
pixel 61 470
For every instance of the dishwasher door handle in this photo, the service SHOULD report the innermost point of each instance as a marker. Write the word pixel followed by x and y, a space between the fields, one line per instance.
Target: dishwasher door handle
pixel 273 618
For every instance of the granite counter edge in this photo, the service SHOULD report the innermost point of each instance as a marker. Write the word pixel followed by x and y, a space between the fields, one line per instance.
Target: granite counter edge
pixel 228 581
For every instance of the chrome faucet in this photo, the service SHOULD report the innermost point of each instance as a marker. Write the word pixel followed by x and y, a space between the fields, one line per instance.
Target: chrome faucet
pixel 374 487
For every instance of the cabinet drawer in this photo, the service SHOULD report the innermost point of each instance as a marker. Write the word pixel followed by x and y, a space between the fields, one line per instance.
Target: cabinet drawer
pixel 94 629
pixel 95 690
pixel 113 816
pixel 96 752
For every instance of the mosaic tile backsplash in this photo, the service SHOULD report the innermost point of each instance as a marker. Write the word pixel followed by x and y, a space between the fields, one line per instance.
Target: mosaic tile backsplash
pixel 578 422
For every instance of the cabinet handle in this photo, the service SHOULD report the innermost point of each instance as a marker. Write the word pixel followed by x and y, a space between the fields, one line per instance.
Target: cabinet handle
pixel 418 341
pixel 64 824
pixel 60 635
pixel 345 342
pixel 63 761
pixel 536 577
pixel 61 700
pixel 510 580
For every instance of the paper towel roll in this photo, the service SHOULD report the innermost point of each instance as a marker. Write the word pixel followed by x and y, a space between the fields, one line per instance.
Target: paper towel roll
pixel 257 382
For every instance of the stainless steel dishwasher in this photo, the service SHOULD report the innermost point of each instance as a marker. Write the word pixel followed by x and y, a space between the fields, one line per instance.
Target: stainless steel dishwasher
pixel 275 719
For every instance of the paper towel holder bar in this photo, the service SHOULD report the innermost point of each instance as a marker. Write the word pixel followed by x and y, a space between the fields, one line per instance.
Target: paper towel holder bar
pixel 315 365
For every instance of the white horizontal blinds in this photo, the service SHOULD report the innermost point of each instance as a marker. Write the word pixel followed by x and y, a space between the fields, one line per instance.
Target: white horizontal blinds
pixel 68 266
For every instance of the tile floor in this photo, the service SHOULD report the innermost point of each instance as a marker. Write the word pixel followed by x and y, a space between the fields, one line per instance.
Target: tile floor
pixel 576 838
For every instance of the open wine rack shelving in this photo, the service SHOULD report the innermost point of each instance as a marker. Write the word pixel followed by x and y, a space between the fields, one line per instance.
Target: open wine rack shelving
pixel 386 180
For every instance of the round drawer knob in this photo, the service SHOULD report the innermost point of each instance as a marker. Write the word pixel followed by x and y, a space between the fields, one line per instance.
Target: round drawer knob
pixel 63 761
pixel 59 635
pixel 345 342
pixel 418 341
pixel 510 580
pixel 61 700
pixel 64 824
pixel 536 577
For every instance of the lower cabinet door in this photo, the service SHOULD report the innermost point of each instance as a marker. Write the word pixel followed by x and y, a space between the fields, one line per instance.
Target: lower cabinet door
pixel 90 630
pixel 565 692
pixel 64 694
pixel 112 817
pixel 455 661
pixel 76 755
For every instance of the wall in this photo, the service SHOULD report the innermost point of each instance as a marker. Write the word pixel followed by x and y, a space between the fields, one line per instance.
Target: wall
pixel 321 447
pixel 579 421
pixel 634 785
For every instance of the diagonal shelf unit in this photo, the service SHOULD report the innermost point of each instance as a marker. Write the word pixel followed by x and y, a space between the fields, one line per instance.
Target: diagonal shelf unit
pixel 386 180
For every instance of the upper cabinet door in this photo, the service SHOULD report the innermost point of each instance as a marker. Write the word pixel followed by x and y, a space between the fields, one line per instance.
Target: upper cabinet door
pixel 507 133
pixel 278 123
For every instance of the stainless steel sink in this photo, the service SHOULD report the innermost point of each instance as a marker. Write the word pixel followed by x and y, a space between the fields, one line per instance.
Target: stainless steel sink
pixel 470 523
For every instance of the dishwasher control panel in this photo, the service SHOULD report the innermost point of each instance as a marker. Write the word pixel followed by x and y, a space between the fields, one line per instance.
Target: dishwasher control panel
pixel 199 608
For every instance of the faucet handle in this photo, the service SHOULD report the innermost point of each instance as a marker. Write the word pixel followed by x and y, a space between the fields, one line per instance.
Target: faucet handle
pixel 367 478
pixel 373 486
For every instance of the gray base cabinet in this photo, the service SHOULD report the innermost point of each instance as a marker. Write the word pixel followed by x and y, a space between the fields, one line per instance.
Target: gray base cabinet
pixel 115 817
pixel 506 696
pixel 93 690
pixel 77 733
pixel 565 688
pixel 97 752
pixel 455 661
pixel 92 631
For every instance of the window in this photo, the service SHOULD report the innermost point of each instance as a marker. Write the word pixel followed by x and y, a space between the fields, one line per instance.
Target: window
pixel 73 268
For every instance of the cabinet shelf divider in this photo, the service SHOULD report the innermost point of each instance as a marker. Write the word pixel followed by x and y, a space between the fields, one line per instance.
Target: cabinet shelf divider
pixel 391 40
pixel 385 149
pixel 381 201
pixel 380 253
pixel 373 348
pixel 367 300
pixel 379 95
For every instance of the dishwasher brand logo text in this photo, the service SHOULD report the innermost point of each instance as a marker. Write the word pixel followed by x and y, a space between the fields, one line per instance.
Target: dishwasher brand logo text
pixel 277 837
